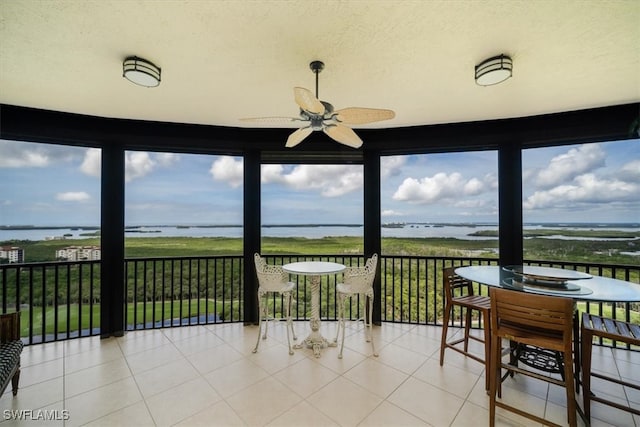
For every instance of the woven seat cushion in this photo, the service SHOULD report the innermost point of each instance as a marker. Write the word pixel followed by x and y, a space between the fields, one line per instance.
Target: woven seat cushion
pixel 9 358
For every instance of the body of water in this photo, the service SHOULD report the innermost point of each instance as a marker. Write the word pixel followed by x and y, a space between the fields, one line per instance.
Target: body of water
pixel 458 231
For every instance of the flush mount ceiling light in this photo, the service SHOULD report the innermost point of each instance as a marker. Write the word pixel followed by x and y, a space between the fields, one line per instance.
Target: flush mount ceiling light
pixel 141 72
pixel 494 70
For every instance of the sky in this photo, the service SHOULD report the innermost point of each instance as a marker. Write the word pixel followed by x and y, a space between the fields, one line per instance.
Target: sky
pixel 59 185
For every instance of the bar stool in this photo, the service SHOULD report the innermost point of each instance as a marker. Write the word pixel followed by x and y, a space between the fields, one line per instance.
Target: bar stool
pixel 272 279
pixel 542 321
pixel 357 282
pixel 616 330
pixel 459 293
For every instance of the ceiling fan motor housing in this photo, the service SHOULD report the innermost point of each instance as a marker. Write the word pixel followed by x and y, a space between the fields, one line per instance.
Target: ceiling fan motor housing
pixel 317 122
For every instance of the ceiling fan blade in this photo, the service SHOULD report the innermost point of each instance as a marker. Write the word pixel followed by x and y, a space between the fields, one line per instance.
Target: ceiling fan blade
pixel 343 134
pixel 307 101
pixel 359 116
pixel 296 137
pixel 271 119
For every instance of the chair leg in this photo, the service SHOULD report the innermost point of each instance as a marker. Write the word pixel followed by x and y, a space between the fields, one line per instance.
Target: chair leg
pixel 373 347
pixel 467 328
pixel 289 325
pixel 260 309
pixel 293 331
pixel 586 344
pixel 14 381
pixel 569 385
pixel 487 349
pixel 343 300
pixel 494 375
pixel 445 328
pixel 338 298
pixel 497 354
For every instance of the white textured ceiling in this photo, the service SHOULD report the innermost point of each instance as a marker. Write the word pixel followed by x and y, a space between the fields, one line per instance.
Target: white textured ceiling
pixel 224 60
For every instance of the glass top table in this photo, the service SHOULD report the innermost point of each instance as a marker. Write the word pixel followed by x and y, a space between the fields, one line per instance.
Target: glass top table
pixel 546 280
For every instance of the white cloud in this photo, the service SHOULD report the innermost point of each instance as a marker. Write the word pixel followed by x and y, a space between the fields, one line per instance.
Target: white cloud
pixel 330 180
pixel 229 170
pixel 567 166
pixel 91 164
pixel 272 174
pixel 137 163
pixel 440 186
pixel 16 154
pixel 167 159
pixel 73 196
pixel 391 165
pixel 586 188
pixel 390 212
pixel 630 171
pixel 471 203
pixel 491 180
pixel 473 187
pixel 25 159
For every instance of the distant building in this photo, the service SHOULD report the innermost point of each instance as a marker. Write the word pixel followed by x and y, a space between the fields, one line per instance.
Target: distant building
pixel 79 253
pixel 54 238
pixel 12 253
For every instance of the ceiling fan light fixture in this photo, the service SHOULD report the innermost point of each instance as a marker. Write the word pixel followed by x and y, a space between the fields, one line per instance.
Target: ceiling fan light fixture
pixel 141 72
pixel 494 70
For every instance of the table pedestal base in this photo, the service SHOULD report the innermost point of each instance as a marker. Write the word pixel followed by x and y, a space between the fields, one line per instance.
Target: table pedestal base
pixel 315 340
pixel 314 269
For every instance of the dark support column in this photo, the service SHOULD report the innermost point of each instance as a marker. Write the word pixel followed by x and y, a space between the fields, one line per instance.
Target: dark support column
pixel 112 286
pixel 372 221
pixel 510 203
pixel 252 223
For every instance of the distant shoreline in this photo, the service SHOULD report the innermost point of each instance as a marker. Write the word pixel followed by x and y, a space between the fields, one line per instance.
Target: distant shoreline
pixel 386 225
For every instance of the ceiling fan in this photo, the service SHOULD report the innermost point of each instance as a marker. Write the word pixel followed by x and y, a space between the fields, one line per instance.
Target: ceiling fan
pixel 320 115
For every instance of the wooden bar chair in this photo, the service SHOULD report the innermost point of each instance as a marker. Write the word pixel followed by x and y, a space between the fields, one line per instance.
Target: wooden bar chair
pixel 616 330
pixel 459 292
pixel 542 321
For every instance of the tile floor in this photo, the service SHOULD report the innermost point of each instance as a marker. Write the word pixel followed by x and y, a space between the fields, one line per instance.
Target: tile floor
pixel 208 376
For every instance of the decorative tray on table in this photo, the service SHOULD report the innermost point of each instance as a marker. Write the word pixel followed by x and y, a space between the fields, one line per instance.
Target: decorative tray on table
pixel 546 279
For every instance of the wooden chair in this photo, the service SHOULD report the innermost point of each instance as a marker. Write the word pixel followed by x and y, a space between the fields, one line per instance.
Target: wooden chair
pixel 542 321
pixel 357 282
pixel 10 350
pixel 273 279
pixel 616 330
pixel 459 293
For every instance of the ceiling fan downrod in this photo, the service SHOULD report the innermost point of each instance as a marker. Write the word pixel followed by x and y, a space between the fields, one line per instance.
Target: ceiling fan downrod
pixel 316 67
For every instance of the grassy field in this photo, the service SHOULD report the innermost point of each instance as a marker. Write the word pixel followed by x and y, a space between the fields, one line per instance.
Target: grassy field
pixel 84 317
pixel 540 248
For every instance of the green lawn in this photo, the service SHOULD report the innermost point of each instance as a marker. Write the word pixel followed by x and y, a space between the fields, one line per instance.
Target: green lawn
pixel 144 313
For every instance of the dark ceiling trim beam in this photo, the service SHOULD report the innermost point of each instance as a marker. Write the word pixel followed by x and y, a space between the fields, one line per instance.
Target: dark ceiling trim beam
pixel 572 127
pixel 592 125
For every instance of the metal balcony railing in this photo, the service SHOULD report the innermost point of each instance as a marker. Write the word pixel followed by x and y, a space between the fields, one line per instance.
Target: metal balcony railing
pixel 61 300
